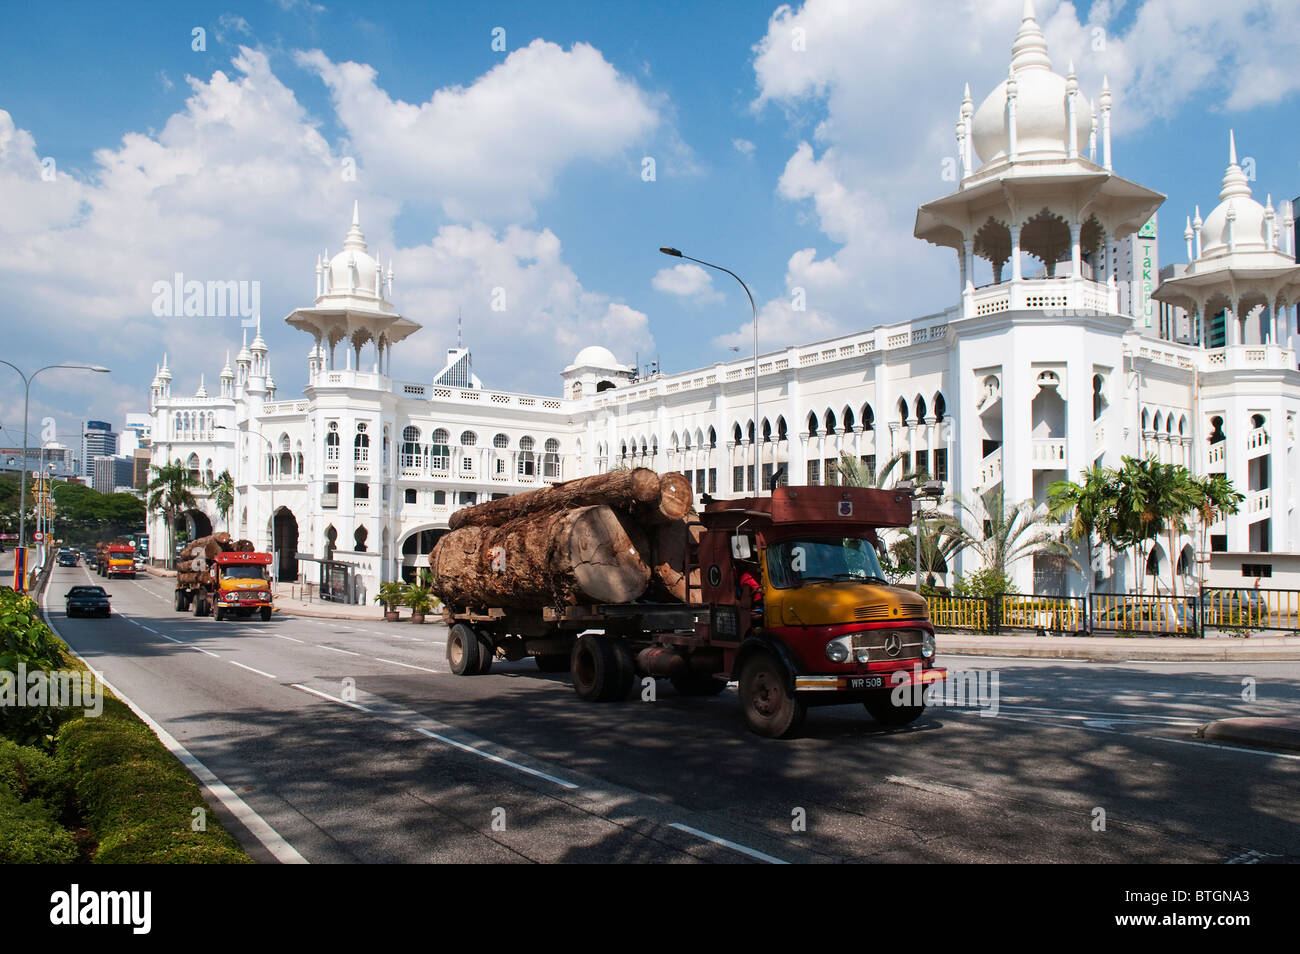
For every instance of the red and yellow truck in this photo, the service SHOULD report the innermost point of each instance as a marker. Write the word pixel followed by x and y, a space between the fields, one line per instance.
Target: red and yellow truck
pixel 115 559
pixel 232 585
pixel 787 598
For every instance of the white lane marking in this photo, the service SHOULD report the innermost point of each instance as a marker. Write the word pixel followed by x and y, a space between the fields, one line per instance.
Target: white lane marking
pixel 165 636
pixel 934 788
pixel 290 638
pixel 326 695
pixel 199 650
pixel 347 652
pixel 251 669
pixel 1135 716
pixel 744 850
pixel 394 662
pixel 1235 748
pixel 271 839
pixel 494 758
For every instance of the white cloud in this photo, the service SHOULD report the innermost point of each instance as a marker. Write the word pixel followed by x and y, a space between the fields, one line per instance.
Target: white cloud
pixel 743 146
pixel 687 281
pixel 494 148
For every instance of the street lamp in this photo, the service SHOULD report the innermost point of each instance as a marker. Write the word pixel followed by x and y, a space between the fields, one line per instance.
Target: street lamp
pixel 930 490
pixel 27 397
pixel 758 485
pixel 270 446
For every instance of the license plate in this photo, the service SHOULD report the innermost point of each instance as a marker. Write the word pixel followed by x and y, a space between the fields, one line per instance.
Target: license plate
pixel 866 682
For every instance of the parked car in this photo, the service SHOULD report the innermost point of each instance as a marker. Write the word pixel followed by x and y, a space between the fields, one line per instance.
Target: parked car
pixel 87 601
pixel 1239 607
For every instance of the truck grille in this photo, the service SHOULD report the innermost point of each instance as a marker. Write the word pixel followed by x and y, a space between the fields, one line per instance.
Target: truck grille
pixel 874 641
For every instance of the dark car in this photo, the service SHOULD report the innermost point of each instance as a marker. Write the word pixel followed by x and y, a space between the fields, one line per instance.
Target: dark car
pixel 67 558
pixel 88 601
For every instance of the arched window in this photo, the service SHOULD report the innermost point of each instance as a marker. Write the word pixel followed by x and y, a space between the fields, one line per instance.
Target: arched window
pixel 409 457
pixel 361 445
pixel 468 439
pixel 812 424
pixel 767 430
pixel 830 422
pixel 940 406
pixel 440 450
pixel 868 418
pixel 332 441
pixel 780 429
pixel 527 464
pixel 208 476
pixel 192 465
pixel 713 437
pixel 735 433
pixel 846 416
pixel 902 412
pixel 1216 430
pixel 1098 396
pixel 551 461
pixel 920 409
pixel 500 442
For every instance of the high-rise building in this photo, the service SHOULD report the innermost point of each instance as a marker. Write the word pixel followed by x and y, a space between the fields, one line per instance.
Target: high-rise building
pixel 112 473
pixel 98 439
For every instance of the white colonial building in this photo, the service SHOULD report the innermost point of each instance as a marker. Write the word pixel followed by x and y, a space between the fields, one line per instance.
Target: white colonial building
pixel 1059 352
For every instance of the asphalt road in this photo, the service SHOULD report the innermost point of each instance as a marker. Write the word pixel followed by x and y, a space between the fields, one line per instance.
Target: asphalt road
pixel 354 743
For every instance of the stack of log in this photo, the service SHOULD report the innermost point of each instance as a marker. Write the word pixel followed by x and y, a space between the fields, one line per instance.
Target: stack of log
pixel 608 538
pixel 194 563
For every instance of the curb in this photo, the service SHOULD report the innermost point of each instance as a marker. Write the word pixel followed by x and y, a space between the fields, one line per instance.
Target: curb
pixel 1273 733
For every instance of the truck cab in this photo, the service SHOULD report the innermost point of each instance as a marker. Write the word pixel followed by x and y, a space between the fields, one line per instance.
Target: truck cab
pixel 826 627
pixel 243 585
pixel 119 561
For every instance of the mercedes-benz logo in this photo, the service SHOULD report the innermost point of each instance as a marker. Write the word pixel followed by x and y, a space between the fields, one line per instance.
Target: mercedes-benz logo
pixel 893 644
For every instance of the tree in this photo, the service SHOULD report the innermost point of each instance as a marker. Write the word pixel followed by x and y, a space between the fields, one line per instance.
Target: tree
pixel 170 493
pixel 1152 497
pixel 941 541
pixel 222 490
pixel 1090 507
pixel 1004 534
pixel 1215 498
pixel 856 473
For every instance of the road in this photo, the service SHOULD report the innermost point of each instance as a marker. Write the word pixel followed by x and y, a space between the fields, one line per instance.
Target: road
pixel 354 743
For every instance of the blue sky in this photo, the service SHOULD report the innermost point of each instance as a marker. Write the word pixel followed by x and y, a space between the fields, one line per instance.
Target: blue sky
pixel 793 168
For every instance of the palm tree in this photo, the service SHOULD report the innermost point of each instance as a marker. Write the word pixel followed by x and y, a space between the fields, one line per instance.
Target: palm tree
pixel 856 473
pixel 1214 498
pixel 1154 496
pixel 170 493
pixel 941 541
pixel 1090 507
pixel 1005 534
pixel 222 490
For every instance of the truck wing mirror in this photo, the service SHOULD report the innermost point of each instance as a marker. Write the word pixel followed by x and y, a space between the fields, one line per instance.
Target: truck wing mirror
pixel 740 547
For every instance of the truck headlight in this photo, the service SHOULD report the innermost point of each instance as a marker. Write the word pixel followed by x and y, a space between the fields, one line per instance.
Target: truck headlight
pixel 838 651
pixel 927 645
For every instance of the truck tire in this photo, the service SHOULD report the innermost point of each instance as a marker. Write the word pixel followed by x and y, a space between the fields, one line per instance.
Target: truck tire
pixel 178 601
pixel 486 652
pixel 553 662
pixel 196 604
pixel 771 709
pixel 463 650
pixel 218 614
pixel 266 614
pixel 883 710
pixel 696 684
pixel 602 669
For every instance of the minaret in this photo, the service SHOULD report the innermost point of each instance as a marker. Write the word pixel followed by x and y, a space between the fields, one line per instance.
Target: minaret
pixel 202 392
pixel 1104 102
pixel 258 349
pixel 244 362
pixel 165 376
pixel 227 378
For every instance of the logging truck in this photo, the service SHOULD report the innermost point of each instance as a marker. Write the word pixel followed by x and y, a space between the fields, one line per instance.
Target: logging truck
pixel 782 594
pixel 231 583
pixel 115 559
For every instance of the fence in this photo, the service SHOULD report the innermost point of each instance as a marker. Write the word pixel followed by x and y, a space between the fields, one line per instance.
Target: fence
pixel 1219 609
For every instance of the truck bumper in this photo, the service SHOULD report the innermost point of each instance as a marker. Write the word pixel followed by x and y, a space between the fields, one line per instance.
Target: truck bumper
pixel 837 689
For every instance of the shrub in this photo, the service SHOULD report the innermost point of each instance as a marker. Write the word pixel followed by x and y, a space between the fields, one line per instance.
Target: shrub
pixel 25 640
pixel 27 772
pixel 31 834
pixel 983 584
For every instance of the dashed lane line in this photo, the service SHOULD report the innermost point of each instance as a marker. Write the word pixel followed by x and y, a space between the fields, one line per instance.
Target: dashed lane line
pixel 251 669
pixel 346 652
pixel 734 846
pixel 394 662
pixel 325 695
pixel 495 758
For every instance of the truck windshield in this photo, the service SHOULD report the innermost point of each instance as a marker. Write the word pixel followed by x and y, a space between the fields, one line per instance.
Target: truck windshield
pixel 822 559
pixel 244 572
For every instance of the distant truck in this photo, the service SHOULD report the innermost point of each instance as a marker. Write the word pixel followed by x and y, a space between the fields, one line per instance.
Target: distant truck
pixel 115 559
pixel 784 594
pixel 232 584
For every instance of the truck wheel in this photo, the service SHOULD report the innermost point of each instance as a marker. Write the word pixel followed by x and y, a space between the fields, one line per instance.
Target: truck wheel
pixel 196 604
pixel 463 650
pixel 218 614
pixel 553 662
pixel 884 711
pixel 178 601
pixel 602 670
pixel 771 708
pixel 266 614
pixel 486 653
pixel 695 684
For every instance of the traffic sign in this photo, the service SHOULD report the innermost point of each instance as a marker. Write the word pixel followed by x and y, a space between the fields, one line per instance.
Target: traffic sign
pixel 38 536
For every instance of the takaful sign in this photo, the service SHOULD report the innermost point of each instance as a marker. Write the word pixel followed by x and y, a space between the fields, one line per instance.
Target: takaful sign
pixel 1146 266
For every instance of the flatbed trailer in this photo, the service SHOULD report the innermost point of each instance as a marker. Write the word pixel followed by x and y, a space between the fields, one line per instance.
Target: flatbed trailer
pixel 818 625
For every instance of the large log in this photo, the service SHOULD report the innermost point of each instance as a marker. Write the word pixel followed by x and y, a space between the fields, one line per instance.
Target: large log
pixel 582 555
pixel 635 489
pixel 672 543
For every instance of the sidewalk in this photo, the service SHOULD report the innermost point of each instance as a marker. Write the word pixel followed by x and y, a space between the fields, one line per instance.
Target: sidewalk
pixel 1119 648
pixel 289 600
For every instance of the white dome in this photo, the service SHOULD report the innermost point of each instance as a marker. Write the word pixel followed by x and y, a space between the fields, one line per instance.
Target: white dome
pixel 352 271
pixel 597 357
pixel 1042 124
pixel 1249 216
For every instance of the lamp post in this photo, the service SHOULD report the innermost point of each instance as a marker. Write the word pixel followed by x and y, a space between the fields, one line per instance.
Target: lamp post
pixel 275 572
pixel 930 490
pixel 758 486
pixel 27 398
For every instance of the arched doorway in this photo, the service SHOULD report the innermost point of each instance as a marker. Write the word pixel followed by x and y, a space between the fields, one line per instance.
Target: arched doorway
pixel 286 544
pixel 192 524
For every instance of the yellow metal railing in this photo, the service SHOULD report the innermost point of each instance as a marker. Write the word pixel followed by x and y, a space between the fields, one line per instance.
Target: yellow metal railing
pixel 1251 609
pixel 958 612
pixel 1126 613
pixel 1062 613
